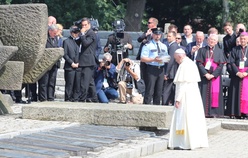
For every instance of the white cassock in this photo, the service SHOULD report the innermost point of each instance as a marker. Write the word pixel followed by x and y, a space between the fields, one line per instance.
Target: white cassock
pixel 188 127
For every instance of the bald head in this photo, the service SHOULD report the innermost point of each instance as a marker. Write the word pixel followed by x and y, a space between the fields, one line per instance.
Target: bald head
pixel 51 20
pixel 199 37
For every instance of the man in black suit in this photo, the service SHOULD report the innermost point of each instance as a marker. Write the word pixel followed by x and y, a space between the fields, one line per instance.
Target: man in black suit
pixel 170 71
pixel 87 58
pixel 47 82
pixel 71 67
pixel 188 36
pixel 193 47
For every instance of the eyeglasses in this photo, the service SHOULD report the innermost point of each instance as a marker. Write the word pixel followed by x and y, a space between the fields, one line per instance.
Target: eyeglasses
pixel 149 22
pixel 178 38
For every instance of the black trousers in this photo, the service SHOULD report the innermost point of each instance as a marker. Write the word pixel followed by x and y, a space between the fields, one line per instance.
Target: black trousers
pixel 85 81
pixel 47 84
pixel 143 71
pixel 168 92
pixel 72 84
pixel 154 84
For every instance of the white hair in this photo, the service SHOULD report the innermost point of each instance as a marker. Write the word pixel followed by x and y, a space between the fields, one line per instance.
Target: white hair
pixel 107 56
pixel 213 36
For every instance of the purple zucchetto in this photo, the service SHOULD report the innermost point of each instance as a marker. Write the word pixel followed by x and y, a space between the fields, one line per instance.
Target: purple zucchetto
pixel 244 34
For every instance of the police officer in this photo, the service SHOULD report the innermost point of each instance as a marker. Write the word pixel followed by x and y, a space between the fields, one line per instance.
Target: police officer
pixel 153 54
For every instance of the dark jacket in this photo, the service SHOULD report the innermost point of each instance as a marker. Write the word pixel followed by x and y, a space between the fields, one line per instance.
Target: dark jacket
pixel 71 53
pixel 143 39
pixel 184 42
pixel 171 67
pixel 87 56
pixel 53 43
pixel 189 48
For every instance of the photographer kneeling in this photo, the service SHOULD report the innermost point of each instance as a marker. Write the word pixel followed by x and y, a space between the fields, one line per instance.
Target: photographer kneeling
pixel 105 79
pixel 128 74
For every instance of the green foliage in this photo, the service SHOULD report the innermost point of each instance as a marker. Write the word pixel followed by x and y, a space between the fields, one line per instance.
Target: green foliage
pixel 238 11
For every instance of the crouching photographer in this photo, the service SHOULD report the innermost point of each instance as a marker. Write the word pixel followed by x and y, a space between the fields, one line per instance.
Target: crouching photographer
pixel 130 82
pixel 105 79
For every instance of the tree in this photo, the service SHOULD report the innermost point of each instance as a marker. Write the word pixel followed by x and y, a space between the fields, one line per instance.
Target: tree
pixel 238 11
pixel 134 14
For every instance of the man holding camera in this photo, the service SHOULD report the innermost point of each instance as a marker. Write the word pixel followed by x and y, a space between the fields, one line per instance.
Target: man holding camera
pixel 129 73
pixel 105 80
pixel 118 43
pixel 72 71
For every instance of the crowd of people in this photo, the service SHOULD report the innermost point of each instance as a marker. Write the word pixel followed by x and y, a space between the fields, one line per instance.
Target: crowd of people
pixel 114 76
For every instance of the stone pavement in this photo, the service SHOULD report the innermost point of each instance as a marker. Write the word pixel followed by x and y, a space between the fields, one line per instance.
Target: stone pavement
pixel 223 142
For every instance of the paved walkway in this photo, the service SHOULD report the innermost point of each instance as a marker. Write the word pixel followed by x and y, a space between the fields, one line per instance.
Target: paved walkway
pixel 223 143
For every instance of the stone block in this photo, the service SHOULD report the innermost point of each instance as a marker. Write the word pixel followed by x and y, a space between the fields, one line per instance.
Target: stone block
pixel 6 53
pixel 25 26
pixel 11 75
pixel 101 114
pixel 243 126
pixel 4 106
pixel 48 59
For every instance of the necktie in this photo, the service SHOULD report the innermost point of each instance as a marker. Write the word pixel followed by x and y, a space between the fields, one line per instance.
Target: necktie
pixel 52 40
pixel 158 49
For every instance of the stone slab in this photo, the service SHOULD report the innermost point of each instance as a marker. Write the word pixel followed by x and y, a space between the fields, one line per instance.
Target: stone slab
pixel 4 106
pixel 48 59
pixel 33 149
pixel 11 75
pixel 25 26
pixel 72 150
pixel 235 125
pixel 6 53
pixel 101 114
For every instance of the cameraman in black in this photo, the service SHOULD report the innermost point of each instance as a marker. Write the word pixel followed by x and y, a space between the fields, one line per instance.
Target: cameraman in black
pixel 118 41
pixel 72 71
pixel 128 74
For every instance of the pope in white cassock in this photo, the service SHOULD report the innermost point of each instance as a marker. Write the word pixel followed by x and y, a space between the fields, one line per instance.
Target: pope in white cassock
pixel 188 127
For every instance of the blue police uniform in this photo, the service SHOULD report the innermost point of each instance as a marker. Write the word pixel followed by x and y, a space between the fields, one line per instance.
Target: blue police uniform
pixel 154 71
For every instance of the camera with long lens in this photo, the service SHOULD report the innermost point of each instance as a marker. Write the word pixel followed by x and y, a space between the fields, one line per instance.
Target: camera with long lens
pixel 241 30
pixel 127 64
pixel 78 23
pixel 94 24
pixel 106 63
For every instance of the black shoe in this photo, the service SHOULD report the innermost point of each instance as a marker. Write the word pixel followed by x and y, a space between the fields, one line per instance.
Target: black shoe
pixel 122 102
pixel 89 100
pixel 50 99
pixel 20 102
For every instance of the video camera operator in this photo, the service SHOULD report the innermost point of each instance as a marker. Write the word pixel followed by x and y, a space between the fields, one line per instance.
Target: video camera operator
pixel 129 73
pixel 118 41
pixel 105 79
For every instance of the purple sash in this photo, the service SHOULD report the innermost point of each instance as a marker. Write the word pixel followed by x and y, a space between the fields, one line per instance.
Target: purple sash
pixel 215 87
pixel 244 94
